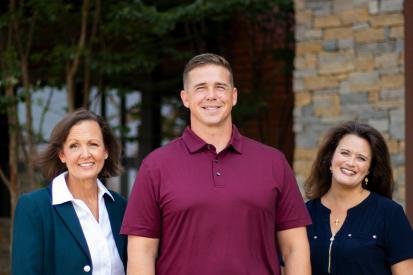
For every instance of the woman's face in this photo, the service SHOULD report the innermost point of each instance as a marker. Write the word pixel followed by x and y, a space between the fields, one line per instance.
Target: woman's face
pixel 351 161
pixel 84 151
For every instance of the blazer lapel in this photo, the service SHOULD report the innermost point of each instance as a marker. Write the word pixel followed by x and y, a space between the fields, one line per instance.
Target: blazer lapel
pixel 115 222
pixel 68 214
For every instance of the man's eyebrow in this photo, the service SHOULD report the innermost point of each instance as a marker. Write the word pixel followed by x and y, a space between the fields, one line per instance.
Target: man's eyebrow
pixel 200 84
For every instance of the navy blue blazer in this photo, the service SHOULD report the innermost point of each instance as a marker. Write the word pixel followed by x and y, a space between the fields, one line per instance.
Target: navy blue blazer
pixel 48 239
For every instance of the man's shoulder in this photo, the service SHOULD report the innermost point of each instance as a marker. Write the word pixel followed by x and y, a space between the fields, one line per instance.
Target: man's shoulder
pixel 252 145
pixel 167 151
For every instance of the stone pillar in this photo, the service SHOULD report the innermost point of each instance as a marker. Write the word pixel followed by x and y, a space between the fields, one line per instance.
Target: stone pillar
pixel 349 65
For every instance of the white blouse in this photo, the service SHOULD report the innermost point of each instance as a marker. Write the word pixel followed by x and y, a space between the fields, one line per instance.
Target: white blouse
pixel 98 235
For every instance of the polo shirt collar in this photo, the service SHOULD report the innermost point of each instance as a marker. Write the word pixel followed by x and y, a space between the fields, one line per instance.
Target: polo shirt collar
pixel 195 143
pixel 61 193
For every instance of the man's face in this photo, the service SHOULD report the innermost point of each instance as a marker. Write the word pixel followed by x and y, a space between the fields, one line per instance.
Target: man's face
pixel 209 95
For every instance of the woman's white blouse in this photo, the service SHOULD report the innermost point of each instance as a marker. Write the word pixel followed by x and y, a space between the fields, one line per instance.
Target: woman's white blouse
pixel 99 237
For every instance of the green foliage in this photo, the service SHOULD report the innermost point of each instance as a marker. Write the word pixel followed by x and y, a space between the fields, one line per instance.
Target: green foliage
pixel 138 45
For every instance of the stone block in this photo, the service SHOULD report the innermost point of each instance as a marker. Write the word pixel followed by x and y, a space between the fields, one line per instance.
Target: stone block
pixel 345 44
pixel 308 47
pixel 354 98
pixel 393 146
pixel 393 19
pixel 297 128
pixel 360 26
pixel 391 70
pixel 376 47
pixel 310 60
pixel 330 45
pixel 397 116
pixel 373 7
pixel 302 99
pixel 391 5
pixel 369 35
pixel 313 34
pixel 305 73
pixel 398 159
pixel 392 81
pixel 356 15
pixel 374 96
pixel 327 21
pixel 299 62
pixel 389 104
pixel 338 119
pixel 335 63
pixel 302 167
pixel 359 110
pixel 397 32
pixel 338 33
pixel 326 105
pixel 304 17
pixel 344 87
pixel 342 5
pixel 381 125
pixel 300 32
pixel 299 5
pixel 392 94
pixel 319 82
pixel 306 139
pixel 364 81
pixel 305 154
pixel 328 91
pixel 386 60
pixel 365 62
pixel 400 46
pixel 298 84
pixel 372 113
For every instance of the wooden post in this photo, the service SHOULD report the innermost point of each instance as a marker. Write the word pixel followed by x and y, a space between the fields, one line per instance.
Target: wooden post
pixel 408 71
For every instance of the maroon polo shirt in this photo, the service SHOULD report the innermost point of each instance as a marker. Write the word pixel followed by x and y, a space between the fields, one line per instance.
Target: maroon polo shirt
pixel 215 214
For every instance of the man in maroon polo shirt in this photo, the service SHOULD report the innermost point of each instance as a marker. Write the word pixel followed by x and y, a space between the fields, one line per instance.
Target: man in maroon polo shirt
pixel 214 202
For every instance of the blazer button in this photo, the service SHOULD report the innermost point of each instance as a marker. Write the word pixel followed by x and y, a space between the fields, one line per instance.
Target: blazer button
pixel 86 268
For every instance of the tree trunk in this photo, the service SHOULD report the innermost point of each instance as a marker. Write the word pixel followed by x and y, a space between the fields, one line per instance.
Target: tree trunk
pixel 73 66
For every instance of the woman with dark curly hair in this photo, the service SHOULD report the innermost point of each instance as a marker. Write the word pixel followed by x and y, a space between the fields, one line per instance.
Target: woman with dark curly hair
pixel 357 228
pixel 72 226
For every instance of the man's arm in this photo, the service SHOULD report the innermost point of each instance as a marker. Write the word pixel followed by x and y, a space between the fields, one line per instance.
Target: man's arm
pixel 295 251
pixel 142 253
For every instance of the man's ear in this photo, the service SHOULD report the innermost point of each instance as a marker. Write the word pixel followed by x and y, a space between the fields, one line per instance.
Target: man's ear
pixel 234 96
pixel 184 98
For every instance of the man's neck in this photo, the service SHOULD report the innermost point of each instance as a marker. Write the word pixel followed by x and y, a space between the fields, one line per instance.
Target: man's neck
pixel 219 136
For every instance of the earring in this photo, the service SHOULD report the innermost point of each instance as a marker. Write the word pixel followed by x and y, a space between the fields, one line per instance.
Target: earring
pixel 366 180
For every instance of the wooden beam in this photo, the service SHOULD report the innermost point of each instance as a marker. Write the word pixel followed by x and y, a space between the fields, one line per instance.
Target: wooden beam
pixel 408 71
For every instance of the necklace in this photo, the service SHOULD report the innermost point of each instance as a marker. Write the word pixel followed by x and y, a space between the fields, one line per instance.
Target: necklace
pixel 336 222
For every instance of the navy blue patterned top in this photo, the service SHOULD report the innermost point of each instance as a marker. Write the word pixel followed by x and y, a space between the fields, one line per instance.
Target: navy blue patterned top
pixel 375 235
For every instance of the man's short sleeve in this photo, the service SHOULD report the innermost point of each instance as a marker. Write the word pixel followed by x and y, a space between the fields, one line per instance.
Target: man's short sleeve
pixel 399 237
pixel 290 208
pixel 142 216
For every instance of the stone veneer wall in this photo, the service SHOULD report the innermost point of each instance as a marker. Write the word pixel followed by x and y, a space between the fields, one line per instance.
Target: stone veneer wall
pixel 349 65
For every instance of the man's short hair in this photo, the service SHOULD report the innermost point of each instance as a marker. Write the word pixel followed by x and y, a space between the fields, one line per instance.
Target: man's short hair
pixel 207 59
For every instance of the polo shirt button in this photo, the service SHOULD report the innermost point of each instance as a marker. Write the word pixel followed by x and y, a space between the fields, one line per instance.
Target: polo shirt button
pixel 349 235
pixel 315 237
pixel 218 174
pixel 374 237
pixel 86 268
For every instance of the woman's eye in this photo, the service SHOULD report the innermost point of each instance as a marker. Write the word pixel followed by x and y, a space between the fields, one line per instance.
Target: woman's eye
pixel 344 153
pixel 72 146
